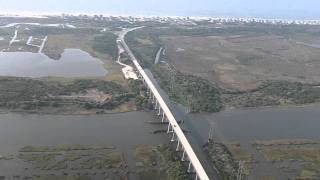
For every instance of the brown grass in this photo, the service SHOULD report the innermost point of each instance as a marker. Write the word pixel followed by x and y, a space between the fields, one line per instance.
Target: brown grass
pixel 243 61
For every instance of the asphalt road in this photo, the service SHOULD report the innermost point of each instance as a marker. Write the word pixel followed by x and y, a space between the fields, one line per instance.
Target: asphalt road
pixel 193 136
pixel 200 160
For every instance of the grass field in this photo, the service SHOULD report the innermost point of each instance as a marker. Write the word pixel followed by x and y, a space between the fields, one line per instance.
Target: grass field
pixel 236 56
pixel 298 157
pixel 242 62
pixel 235 66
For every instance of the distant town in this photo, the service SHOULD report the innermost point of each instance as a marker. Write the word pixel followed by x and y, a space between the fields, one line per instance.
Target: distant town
pixel 175 19
pixel 101 96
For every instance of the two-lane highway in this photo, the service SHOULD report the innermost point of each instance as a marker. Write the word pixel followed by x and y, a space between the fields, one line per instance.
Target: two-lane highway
pixel 198 168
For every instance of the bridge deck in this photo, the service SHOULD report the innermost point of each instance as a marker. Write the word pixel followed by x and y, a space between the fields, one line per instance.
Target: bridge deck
pixel 182 138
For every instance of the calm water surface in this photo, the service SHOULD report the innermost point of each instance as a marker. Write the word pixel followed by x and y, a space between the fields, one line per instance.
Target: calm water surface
pixel 73 63
pixel 124 130
pixel 264 123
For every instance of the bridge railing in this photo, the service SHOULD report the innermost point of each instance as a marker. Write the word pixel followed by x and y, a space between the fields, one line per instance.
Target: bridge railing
pixel 188 151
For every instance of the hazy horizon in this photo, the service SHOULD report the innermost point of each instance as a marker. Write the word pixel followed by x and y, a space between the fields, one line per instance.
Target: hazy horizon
pixel 287 9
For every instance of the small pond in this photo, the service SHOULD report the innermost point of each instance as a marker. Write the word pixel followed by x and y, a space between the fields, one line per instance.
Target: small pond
pixel 73 63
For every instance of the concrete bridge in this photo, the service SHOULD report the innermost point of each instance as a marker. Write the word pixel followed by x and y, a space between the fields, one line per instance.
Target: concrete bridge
pixel 188 155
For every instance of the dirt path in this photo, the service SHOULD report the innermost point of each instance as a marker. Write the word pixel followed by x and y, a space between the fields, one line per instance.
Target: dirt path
pixel 127 70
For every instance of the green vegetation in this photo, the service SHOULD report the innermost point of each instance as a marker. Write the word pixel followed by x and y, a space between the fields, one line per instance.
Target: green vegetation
pixel 201 95
pixel 302 156
pixel 202 31
pixel 146 155
pixel 173 166
pixel 158 163
pixel 29 94
pixel 144 52
pixel 306 174
pixel 63 148
pixel 296 92
pixel 106 43
pixel 284 142
pixel 68 177
pixel 225 161
pixel 274 93
pixel 311 157
pixel 267 178
pixel 196 93
pixel 98 162
pixel 239 153
pixel 139 90
pixel 73 157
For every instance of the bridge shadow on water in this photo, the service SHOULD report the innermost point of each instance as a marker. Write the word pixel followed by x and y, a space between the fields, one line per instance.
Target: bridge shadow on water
pixel 195 139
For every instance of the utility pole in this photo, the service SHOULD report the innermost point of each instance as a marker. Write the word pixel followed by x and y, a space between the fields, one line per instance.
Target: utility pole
pixel 211 132
pixel 172 79
pixel 189 108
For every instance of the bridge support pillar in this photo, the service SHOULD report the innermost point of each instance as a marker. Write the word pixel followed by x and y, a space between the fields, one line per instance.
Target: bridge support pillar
pixel 169 128
pixel 189 167
pixel 178 146
pixel 173 137
pixel 163 117
pixel 148 90
pixel 155 107
pixel 150 96
pixel 173 127
pixel 153 98
pixel 183 155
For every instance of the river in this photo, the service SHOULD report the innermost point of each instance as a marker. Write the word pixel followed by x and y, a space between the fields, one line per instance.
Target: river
pixel 123 130
pixel 247 125
pixel 261 123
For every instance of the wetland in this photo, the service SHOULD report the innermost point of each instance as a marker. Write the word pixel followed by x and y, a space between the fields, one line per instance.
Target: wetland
pixel 278 143
pixel 89 147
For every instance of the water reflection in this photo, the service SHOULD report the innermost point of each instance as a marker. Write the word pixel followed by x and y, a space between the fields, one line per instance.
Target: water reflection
pixel 264 123
pixel 73 63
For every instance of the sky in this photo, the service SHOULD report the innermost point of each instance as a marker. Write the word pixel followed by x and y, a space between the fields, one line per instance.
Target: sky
pixel 291 9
